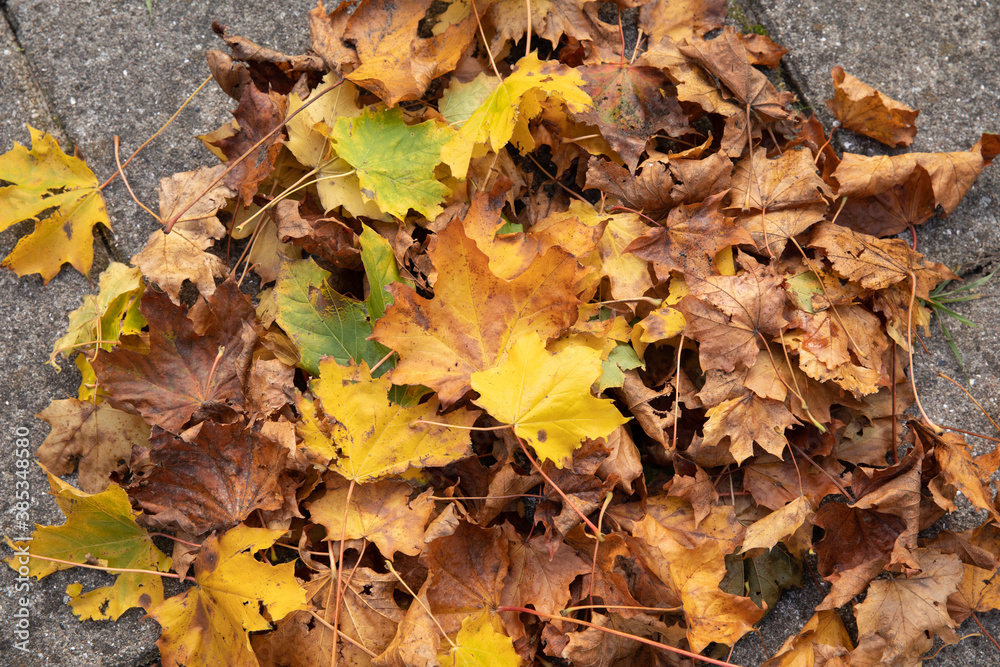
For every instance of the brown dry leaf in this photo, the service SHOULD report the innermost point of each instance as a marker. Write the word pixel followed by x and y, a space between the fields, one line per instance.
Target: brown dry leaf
pixel 324 236
pixel 681 20
pixel 712 615
pixel 872 263
pixel 380 512
pixel 661 185
pixel 698 488
pixel 778 525
pixel 325 31
pixel 693 235
pixel 788 181
pixel 844 344
pixel 550 19
pixel 979 591
pixel 904 613
pixel 212 481
pixel 747 420
pixel 860 108
pixel 474 316
pixel 631 104
pixel 762 51
pixel 396 64
pixel 771 230
pixel 592 647
pixel 951 174
pixel 538 578
pixel 97 436
pixel 467 571
pixel 727 59
pixel 821 641
pixel 638 400
pixel 969 475
pixel 270 387
pixel 622 461
pixel 170 259
pixel 185 376
pixel 888 213
pixel 258 114
pixel 774 483
pixel 728 314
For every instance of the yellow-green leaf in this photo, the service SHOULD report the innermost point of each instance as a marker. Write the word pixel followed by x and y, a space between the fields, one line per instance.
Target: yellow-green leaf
pixel 492 125
pixel 366 435
pixel 381 269
pixel 394 161
pixel 546 397
pixel 104 316
pixel 46 179
pixel 98 527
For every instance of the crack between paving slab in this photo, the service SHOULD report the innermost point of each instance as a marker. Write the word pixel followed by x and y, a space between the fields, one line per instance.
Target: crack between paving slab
pixel 55 122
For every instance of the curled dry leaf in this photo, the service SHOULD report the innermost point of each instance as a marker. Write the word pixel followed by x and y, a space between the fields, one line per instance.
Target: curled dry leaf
pixel 861 108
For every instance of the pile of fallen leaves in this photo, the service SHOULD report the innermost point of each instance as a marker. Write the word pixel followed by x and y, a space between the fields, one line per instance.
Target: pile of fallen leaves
pixel 571 341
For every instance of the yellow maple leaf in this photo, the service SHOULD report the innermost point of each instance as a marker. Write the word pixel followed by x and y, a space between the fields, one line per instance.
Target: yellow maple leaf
pixel 210 623
pixel 366 435
pixel 480 644
pixel 510 105
pixel 43 179
pixel 546 397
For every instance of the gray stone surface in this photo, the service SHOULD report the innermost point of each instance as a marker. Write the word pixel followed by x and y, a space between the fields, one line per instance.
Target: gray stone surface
pixel 90 70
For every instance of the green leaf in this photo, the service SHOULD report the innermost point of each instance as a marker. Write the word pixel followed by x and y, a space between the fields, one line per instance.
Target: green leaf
pixel 322 322
pixel 380 267
pixel 102 527
pixel 622 358
pixel 394 161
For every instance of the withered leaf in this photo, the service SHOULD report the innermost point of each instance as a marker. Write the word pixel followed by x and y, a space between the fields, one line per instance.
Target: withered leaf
pixel 690 240
pixel 630 104
pixel 212 481
pixel 185 376
pixel 861 108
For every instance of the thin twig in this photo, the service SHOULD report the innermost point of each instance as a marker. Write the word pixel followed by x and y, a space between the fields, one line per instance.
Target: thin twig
pixel 635 638
pixel 173 221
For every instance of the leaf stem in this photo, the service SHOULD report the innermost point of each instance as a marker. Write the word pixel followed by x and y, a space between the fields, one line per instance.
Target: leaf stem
pixel 971 398
pixel 641 640
pixel 104 568
pixel 340 570
pixel 158 132
pixel 173 220
pixel 416 597
pixel 590 524
pixel 121 170
pixel 347 638
pixel 464 428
